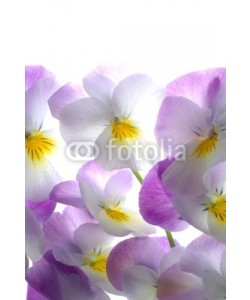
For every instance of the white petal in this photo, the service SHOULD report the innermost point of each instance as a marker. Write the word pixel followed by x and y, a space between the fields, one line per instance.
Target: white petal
pixel 214 179
pixel 99 86
pixel 93 196
pixel 84 120
pixel 39 180
pixel 192 210
pixel 90 236
pixel 36 102
pixel 216 229
pixel 170 258
pixel 135 224
pixel 128 92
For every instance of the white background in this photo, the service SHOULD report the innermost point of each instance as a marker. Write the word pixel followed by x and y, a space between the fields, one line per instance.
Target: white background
pixel 162 38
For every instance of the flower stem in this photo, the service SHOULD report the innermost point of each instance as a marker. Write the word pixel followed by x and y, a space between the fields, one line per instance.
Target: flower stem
pixel 170 239
pixel 138 176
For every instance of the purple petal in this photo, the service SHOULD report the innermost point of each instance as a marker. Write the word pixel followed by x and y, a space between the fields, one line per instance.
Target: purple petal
pixel 201 87
pixel 34 295
pixel 207 254
pixel 56 281
pixel 34 73
pixel 42 210
pixel 131 252
pixel 175 284
pixel 66 94
pixel 177 121
pixel 59 228
pixel 93 173
pixel 155 201
pixel 67 192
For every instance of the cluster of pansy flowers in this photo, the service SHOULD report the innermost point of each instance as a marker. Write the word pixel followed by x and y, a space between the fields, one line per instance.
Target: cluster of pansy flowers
pixel 95 245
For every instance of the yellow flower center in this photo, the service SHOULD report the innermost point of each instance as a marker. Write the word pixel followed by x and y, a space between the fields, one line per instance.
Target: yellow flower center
pixel 124 130
pixel 207 145
pixel 218 208
pixel 96 262
pixel 116 215
pixel 38 145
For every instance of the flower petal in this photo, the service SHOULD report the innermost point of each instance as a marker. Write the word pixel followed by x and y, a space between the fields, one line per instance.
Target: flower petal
pixel 177 120
pixel 119 185
pixel 59 228
pixel 215 178
pixel 42 210
pixel 90 236
pixel 68 93
pixel 36 102
pixel 155 201
pixel 131 252
pixel 67 192
pixel 171 257
pixel 84 120
pixel 216 229
pixel 34 295
pixel 215 285
pixel 207 254
pixel 34 238
pixel 140 282
pixel 99 86
pixel 175 284
pixel 39 180
pixel 192 210
pixel 131 223
pixel 200 87
pixel 34 73
pixel 128 92
pixel 114 156
pixel 55 281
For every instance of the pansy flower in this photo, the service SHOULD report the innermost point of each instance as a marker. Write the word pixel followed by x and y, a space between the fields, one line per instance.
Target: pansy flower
pixel 106 197
pixel 112 117
pixel 193 116
pixel 75 241
pixel 50 279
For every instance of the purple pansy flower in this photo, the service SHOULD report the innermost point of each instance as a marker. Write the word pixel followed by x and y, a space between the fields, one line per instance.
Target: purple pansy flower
pixel 146 268
pixel 54 280
pixel 155 201
pixel 76 242
pixel 105 196
pixel 193 115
